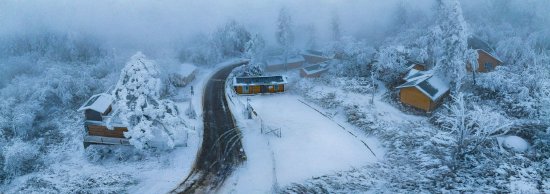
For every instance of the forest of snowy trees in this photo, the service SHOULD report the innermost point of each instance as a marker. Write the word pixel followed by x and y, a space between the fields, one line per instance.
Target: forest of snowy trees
pixel 47 71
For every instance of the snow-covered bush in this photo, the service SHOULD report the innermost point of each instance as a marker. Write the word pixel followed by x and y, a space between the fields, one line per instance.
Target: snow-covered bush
pixel 151 122
pixel 357 116
pixel 20 158
pixel 471 126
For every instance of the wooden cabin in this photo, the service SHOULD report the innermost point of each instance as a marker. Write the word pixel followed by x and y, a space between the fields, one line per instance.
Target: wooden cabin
pixel 259 85
pixel 314 57
pixel 314 71
pixel 278 63
pixel 423 91
pixel 184 75
pixel 98 111
pixel 486 61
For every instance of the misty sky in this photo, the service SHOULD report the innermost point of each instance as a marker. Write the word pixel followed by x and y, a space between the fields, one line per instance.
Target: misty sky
pixel 146 23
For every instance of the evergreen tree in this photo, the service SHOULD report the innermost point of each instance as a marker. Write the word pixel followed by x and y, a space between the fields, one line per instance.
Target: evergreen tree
pixel 284 34
pixel 151 122
pixel 336 32
pixel 451 47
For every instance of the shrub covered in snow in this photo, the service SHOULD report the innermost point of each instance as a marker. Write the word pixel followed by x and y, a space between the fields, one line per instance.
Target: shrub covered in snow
pixel 20 158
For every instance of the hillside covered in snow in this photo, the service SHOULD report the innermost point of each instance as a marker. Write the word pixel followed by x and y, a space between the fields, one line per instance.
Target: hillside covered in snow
pixel 313 96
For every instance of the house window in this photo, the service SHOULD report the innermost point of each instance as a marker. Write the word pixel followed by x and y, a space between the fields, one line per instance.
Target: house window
pixel 488 66
pixel 245 89
pixel 276 88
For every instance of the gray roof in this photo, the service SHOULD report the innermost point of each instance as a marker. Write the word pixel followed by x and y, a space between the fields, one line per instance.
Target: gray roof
pixel 476 43
pixel 431 86
pixel 263 80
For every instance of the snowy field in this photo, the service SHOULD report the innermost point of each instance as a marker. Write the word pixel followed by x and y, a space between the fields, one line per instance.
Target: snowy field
pixel 310 144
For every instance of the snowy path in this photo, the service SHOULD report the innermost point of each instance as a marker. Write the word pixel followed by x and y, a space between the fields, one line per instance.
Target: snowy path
pixel 221 146
pixel 311 145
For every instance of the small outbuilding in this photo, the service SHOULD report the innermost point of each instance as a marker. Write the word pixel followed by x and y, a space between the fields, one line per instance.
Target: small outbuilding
pixel 486 61
pixel 98 111
pixel 314 71
pixel 423 90
pixel 185 74
pixel 259 85
pixel 314 57
pixel 278 63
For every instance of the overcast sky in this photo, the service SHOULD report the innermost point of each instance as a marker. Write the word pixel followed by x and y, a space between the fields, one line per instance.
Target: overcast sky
pixel 160 22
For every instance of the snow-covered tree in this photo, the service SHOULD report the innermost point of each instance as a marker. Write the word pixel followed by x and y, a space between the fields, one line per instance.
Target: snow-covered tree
pixel 471 126
pixel 151 122
pixel 336 32
pixel 311 37
pixel 254 48
pixel 451 46
pixel 230 39
pixel 284 33
pixel 390 63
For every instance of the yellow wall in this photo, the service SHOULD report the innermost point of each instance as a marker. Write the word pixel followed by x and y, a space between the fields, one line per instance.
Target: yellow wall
pixel 415 98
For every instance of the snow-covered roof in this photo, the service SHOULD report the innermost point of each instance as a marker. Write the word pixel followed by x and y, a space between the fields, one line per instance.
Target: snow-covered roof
pixel 414 74
pixel 480 45
pixel 187 69
pixel 313 52
pixel 279 60
pixel 476 43
pixel 262 80
pixel 98 102
pixel 430 85
pixel 411 63
pixel 315 68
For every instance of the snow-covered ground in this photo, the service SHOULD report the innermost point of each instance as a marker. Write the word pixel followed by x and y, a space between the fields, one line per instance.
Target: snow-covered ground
pixel 167 177
pixel 310 144
pixel 124 169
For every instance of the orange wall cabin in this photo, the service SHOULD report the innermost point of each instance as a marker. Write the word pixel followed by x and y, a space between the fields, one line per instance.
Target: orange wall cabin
pixel 259 85
pixel 425 91
pixel 486 62
pixel 413 97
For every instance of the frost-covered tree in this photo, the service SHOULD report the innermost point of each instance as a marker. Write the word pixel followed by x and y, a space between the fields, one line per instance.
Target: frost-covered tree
pixel 311 37
pixel 390 63
pixel 471 126
pixel 151 122
pixel 451 36
pixel 230 39
pixel 254 48
pixel 284 34
pixel 356 57
pixel 336 32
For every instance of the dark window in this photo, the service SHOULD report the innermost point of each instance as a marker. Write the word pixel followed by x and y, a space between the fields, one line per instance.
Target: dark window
pixel 488 66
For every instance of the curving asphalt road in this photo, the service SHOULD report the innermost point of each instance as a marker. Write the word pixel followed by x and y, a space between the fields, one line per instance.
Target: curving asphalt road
pixel 221 147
